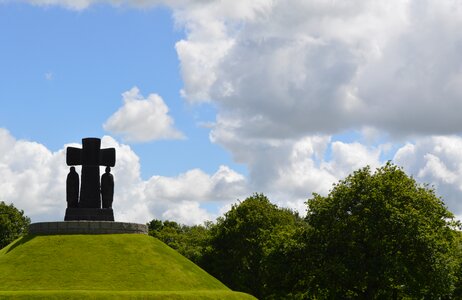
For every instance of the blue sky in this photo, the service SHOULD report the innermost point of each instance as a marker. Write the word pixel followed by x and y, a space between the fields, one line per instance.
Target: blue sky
pixel 207 102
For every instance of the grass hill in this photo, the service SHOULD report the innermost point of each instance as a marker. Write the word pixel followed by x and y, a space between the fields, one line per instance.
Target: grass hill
pixel 107 266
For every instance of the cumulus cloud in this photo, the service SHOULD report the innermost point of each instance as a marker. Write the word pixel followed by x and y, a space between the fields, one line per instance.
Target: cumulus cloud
pixel 49 76
pixel 326 66
pixel 32 176
pixel 196 185
pixel 186 211
pixel 436 160
pixel 142 120
pixel 71 4
pixel 186 196
pixel 290 170
pixel 347 157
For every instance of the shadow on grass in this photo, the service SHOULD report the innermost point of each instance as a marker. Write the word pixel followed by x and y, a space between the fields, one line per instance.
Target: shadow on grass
pixel 20 242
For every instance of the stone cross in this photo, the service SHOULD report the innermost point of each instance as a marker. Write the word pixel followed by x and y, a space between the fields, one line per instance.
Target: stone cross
pixel 90 157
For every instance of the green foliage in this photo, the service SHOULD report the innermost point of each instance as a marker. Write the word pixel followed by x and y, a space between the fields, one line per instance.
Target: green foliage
pixel 241 243
pixel 13 224
pixel 457 294
pixel 379 235
pixel 284 261
pixel 190 241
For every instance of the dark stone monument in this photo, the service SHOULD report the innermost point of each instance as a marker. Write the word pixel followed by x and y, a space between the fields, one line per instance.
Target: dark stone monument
pixel 90 157
pixel 107 188
pixel 72 189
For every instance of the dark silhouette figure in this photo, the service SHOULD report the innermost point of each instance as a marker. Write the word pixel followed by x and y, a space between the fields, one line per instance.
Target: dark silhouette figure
pixel 72 188
pixel 107 188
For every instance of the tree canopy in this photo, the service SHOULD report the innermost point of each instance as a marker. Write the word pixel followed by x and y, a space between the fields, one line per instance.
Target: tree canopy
pixel 13 223
pixel 381 235
pixel 190 241
pixel 241 241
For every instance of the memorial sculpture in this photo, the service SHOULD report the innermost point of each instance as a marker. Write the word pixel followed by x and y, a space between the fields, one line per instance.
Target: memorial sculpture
pixel 72 188
pixel 107 188
pixel 86 205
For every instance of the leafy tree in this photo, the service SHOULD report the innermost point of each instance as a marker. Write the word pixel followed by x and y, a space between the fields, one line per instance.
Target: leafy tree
pixel 190 241
pixel 240 243
pixel 379 235
pixel 13 223
pixel 154 226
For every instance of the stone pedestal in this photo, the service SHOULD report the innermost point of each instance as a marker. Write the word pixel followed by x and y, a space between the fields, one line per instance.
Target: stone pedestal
pixel 89 214
pixel 86 227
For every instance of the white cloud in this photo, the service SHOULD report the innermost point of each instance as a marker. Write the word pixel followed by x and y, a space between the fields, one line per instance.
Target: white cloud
pixel 32 176
pixel 181 198
pixel 187 212
pixel 290 170
pixel 71 4
pixel 142 120
pixel 353 156
pixel 317 66
pixel 436 160
pixel 196 185
pixel 49 76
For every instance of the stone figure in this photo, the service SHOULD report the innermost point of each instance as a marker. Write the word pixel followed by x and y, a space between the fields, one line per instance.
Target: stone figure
pixel 72 188
pixel 107 188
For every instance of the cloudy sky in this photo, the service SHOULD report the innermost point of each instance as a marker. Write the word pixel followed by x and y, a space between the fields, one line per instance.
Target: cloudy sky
pixel 209 101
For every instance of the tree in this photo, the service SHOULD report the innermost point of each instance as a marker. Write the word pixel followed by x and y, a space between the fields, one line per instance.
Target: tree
pixel 189 241
pixel 240 243
pixel 284 262
pixel 13 223
pixel 379 235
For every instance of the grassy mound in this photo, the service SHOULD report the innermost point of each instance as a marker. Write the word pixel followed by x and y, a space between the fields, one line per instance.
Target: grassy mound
pixel 111 266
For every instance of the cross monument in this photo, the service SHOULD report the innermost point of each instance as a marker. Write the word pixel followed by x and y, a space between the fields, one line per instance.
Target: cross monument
pixel 90 157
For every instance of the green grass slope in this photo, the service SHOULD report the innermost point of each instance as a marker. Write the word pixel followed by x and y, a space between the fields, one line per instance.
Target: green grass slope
pixel 110 266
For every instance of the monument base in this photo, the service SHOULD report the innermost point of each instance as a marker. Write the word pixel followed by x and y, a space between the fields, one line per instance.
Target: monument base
pixel 89 214
pixel 86 227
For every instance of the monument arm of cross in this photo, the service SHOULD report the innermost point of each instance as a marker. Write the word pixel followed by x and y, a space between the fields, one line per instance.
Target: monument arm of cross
pixel 107 157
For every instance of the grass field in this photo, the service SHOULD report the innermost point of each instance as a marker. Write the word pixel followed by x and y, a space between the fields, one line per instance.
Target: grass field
pixel 111 266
